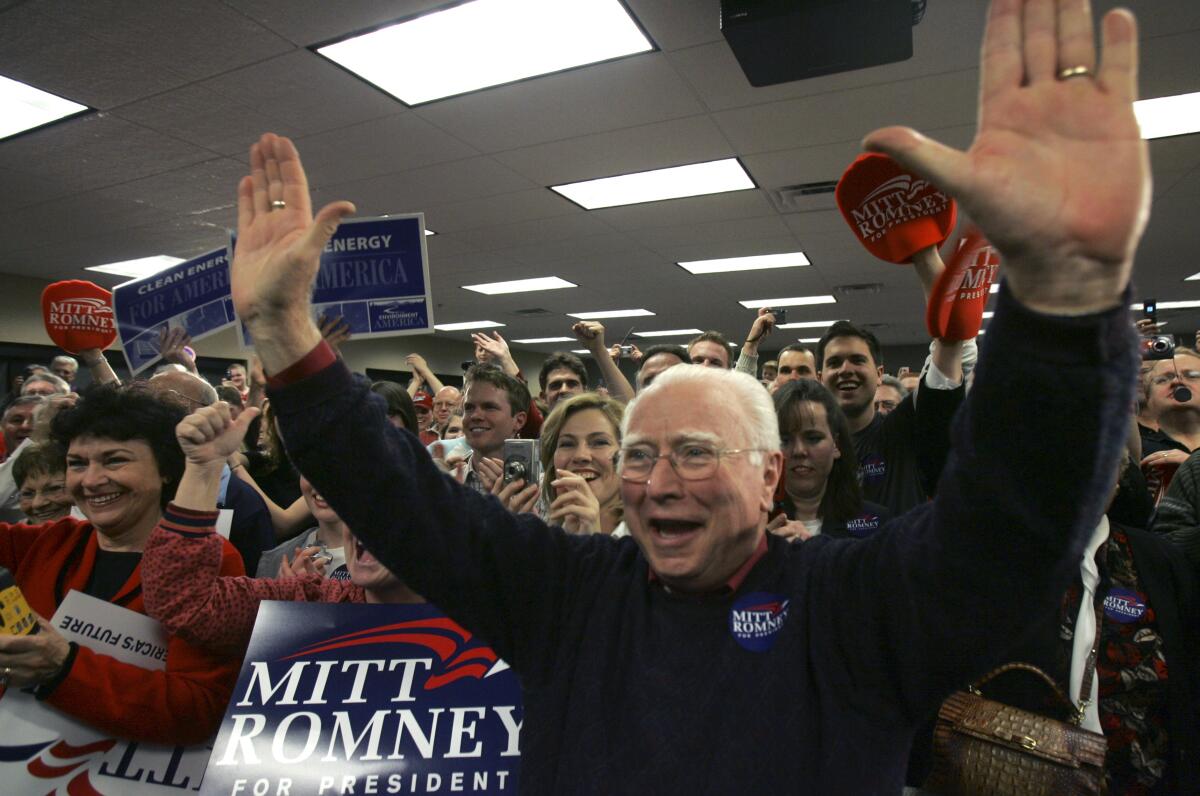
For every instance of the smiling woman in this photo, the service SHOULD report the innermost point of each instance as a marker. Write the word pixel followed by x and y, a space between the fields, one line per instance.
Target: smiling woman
pixel 122 465
pixel 580 442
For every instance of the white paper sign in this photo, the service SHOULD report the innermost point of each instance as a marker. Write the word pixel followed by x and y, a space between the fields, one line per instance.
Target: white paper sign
pixel 44 751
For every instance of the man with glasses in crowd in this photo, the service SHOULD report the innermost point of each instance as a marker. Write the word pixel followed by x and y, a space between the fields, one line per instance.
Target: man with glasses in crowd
pixel 710 656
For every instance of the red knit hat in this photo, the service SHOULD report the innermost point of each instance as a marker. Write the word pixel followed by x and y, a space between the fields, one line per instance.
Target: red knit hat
pixel 78 315
pixel 893 212
pixel 955 309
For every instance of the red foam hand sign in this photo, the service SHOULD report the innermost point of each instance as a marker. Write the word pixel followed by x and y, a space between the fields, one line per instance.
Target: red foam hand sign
pixel 955 309
pixel 78 315
pixel 893 212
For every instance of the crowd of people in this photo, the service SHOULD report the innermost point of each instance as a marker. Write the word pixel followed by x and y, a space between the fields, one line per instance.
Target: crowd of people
pixel 1011 501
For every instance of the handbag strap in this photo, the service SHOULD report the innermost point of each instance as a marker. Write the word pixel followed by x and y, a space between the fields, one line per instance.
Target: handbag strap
pixel 1089 667
pixel 1077 712
pixel 1061 695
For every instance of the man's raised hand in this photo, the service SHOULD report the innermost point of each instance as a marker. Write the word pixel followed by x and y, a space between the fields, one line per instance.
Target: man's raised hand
pixel 1058 175
pixel 278 251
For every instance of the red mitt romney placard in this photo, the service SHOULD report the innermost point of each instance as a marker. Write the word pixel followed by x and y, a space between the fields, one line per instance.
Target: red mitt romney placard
pixel 955 310
pixel 893 213
pixel 78 315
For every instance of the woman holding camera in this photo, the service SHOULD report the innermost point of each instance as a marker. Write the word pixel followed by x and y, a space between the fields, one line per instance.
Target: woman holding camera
pixel 582 491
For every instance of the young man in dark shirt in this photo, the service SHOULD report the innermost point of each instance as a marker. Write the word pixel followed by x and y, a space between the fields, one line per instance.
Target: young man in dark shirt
pixel 889 446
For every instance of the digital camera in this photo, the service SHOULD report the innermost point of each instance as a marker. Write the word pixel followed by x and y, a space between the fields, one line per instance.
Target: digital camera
pixel 521 461
pixel 780 316
pixel 1158 346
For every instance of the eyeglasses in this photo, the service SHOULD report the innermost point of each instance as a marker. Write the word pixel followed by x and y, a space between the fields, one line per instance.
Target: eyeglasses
pixel 691 461
pixel 1166 378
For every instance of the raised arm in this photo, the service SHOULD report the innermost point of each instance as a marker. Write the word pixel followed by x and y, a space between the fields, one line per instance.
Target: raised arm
pixel 591 334
pixel 421 368
pixel 181 575
pixel 1058 180
pixel 97 365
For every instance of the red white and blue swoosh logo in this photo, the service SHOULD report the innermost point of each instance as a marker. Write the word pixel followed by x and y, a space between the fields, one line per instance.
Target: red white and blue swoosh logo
pixel 54 760
pixel 460 656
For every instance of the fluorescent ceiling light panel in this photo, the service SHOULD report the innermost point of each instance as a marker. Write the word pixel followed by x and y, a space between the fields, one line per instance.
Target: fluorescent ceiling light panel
pixel 429 232
pixel 796 301
pixel 995 288
pixel 806 324
pixel 144 266
pixel 989 314
pixel 697 179
pixel 1193 277
pixel 535 340
pixel 668 333
pixel 1166 116
pixel 486 43
pixel 809 340
pixel 755 262
pixel 521 285
pixel 580 351
pixel 465 325
pixel 23 107
pixel 595 316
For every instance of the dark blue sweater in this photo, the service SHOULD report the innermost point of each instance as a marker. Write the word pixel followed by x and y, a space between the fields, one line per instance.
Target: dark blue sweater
pixel 630 689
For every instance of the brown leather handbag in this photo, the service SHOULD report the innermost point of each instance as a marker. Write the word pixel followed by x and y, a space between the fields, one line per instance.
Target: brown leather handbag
pixel 986 748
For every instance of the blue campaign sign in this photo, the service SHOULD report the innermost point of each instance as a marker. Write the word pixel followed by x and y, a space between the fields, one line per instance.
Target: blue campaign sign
pixel 193 295
pixel 375 276
pixel 365 699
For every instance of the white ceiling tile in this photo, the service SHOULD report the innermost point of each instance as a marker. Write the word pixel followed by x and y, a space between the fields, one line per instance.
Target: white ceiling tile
pixel 205 118
pixel 565 223
pixel 944 100
pixel 679 23
pixel 509 208
pixel 97 150
pixel 631 91
pixel 730 238
pixel 432 189
pixel 59 56
pixel 195 190
pixel 695 139
pixel 197 38
pixel 307 22
pixel 397 143
pixel 303 90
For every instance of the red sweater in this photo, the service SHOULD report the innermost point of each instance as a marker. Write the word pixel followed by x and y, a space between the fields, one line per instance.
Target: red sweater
pixel 182 704
pixel 186 590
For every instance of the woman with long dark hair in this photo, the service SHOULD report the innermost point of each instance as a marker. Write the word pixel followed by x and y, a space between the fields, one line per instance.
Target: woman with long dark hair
pixel 819 491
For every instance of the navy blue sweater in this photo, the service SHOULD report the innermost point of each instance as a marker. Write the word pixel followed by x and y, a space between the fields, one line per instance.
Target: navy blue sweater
pixel 631 689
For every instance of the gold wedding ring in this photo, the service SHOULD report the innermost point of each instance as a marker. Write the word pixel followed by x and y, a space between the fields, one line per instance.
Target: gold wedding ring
pixel 1074 71
pixel 278 204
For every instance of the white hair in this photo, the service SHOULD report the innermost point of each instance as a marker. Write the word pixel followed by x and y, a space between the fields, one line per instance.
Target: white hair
pixel 751 405
pixel 63 359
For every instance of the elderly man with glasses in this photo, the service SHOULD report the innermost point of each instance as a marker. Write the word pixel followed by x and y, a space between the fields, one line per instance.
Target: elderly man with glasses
pixel 703 656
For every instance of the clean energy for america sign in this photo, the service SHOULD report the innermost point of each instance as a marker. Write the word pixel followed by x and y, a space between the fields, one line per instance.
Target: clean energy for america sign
pixel 374 275
pixel 367 699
